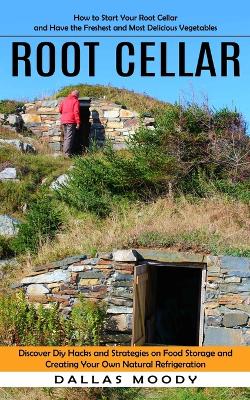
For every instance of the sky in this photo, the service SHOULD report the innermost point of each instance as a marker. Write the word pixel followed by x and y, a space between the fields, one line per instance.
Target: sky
pixel 231 18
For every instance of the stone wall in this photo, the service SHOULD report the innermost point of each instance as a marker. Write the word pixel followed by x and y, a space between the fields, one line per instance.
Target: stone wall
pixel 107 120
pixel 110 277
pixel 100 278
pixel 227 304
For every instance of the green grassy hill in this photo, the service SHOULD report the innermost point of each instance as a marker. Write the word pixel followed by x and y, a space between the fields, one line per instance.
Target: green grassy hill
pixel 139 102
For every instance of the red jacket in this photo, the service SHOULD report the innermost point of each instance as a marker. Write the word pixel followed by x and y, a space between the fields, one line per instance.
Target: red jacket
pixel 70 110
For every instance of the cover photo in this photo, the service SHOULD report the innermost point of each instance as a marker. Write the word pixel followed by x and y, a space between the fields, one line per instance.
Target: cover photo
pixel 124 200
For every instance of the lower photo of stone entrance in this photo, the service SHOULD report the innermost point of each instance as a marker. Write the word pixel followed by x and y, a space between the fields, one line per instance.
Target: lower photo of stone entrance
pixel 168 304
pixel 152 296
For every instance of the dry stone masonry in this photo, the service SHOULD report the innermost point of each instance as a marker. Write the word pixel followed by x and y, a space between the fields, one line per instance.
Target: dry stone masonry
pixel 227 304
pixel 107 121
pixel 100 278
pixel 110 277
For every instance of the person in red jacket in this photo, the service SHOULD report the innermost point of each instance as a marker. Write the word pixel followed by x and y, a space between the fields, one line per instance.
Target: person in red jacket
pixel 70 119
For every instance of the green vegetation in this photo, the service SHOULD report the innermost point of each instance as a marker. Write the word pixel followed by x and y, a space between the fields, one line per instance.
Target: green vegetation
pixel 23 324
pixel 142 103
pixel 195 162
pixel 10 106
pixel 125 394
pixel 102 179
pixel 196 394
pixel 32 170
pixel 192 150
pixel 43 221
pixel 202 240
pixel 6 250
pixel 87 320
pixel 199 240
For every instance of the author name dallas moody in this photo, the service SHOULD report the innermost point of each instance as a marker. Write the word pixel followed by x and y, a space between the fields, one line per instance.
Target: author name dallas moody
pixel 127 379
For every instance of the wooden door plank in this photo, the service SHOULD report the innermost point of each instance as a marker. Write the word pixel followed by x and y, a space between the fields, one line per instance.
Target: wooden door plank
pixel 141 276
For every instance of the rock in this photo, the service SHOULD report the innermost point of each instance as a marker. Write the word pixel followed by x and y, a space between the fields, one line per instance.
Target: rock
pixel 50 103
pixel 119 310
pixel 27 148
pixel 55 132
pixel 54 285
pixel 211 305
pixel 62 180
pixel 111 114
pixel 119 323
pixel 91 261
pixel 49 277
pixel 118 338
pixel 213 320
pixel 222 337
pixel 128 114
pixel 8 226
pixel 234 318
pixel 36 290
pixel 124 268
pixel 230 299
pixel 246 338
pixel 233 279
pixel 236 266
pixel 240 273
pixel 105 256
pixel 16 285
pixel 215 312
pixel 123 284
pixel 79 268
pixel 8 174
pixel 102 262
pixel 124 292
pixel 125 255
pixel 91 275
pixel 211 294
pixel 231 288
pixel 121 302
pixel 148 120
pixel 31 118
pixel 88 282
pixel 104 267
pixel 241 307
pixel 55 146
pixel 115 124
pixel 70 292
pixel 12 119
pixel 22 146
pixel 8 261
pixel 90 294
pixel 123 277
pixel 64 263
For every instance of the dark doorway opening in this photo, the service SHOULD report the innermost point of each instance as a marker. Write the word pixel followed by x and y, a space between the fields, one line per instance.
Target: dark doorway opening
pixel 169 301
pixel 81 142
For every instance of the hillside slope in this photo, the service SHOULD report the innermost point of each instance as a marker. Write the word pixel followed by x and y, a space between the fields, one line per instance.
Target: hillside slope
pixel 180 186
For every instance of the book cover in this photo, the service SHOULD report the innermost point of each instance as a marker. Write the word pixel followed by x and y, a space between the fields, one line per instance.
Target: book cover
pixel 124 212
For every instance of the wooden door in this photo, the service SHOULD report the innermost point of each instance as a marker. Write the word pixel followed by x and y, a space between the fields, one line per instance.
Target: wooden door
pixel 140 291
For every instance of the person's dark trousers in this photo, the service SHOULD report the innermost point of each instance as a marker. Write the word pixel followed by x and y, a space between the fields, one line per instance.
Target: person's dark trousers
pixel 69 137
